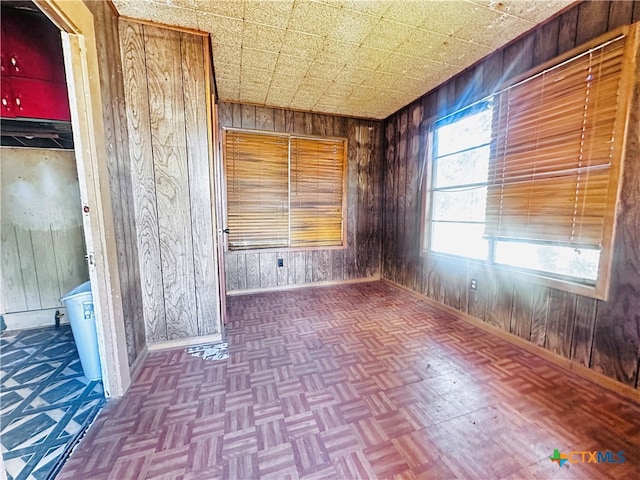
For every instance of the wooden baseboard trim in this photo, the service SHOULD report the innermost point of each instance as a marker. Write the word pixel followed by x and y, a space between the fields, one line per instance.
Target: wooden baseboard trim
pixel 296 286
pixel 137 364
pixel 599 379
pixel 184 342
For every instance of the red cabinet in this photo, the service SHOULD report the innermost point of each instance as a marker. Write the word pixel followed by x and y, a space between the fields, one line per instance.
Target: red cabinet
pixel 32 68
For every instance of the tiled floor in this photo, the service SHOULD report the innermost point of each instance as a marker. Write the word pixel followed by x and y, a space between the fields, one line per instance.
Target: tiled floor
pixel 45 400
pixel 359 381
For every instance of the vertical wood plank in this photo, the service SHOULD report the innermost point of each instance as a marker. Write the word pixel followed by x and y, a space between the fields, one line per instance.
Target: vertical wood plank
pixel 138 124
pixel 522 310
pixel 163 60
pixel 492 71
pixel 298 122
pixel 545 45
pixel 28 268
pixel 400 234
pixel 268 266
pixel 13 290
pixel 340 126
pixel 337 265
pixel 225 114
pixel 321 266
pixel 309 266
pixel 363 215
pixel 300 267
pixel 477 299
pixel 236 115
pixel 539 310
pixel 583 328
pixel 279 120
pixel 264 119
pixel 350 259
pixel 248 113
pixel 69 251
pixel 198 181
pixel 593 18
pixel 560 318
pixel 231 271
pixel 499 301
pixel 518 57
pixel 253 270
pixel 46 269
pixel 567 31
pixel 290 121
pixel 242 271
pixel 413 214
pixel 620 13
pixel 388 211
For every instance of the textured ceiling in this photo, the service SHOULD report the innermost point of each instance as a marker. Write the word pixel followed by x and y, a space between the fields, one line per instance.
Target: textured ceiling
pixel 363 58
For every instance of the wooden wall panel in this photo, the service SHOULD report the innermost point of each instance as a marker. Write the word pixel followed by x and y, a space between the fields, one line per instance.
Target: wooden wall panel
pixel 138 122
pixel 602 335
pixel 361 257
pixel 200 196
pixel 166 92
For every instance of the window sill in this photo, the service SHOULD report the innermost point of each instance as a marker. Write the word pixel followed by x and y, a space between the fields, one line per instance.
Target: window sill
pixel 283 249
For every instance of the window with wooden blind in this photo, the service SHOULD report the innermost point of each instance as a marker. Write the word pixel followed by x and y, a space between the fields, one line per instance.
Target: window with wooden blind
pixel 284 190
pixel 553 167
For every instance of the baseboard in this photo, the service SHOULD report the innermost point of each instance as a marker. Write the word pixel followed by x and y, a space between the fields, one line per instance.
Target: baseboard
pixel 34 319
pixel 135 369
pixel 599 379
pixel 296 286
pixel 184 342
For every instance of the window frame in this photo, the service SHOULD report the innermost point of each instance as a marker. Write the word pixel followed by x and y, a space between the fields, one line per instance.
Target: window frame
pixel 288 136
pixel 600 288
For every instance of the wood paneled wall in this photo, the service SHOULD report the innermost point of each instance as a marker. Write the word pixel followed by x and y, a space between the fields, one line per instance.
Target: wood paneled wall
pixel 604 336
pixel 361 258
pixel 119 165
pixel 42 241
pixel 166 99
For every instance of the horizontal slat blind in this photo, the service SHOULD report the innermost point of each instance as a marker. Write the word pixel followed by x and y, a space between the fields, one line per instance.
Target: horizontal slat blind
pixel 317 176
pixel 550 174
pixel 257 190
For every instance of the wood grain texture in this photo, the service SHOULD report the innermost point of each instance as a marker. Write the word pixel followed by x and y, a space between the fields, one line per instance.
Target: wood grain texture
pixel 545 43
pixel 583 329
pixel 200 197
pixel 415 159
pixel 167 116
pixel 13 292
pixel 136 93
pixel 27 266
pixel 560 320
pixel 45 261
pixel 593 18
pixel 620 13
pixel 167 121
pixel 567 31
pixel 252 265
pixel 268 266
pixel 602 335
pixel 616 347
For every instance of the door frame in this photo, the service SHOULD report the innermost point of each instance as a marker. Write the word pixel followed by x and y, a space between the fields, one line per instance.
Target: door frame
pixel 75 21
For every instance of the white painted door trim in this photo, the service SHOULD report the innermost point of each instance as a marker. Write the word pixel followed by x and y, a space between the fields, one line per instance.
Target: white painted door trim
pixel 85 100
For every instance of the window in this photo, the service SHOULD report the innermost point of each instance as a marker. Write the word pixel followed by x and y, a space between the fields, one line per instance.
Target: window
pixel 527 179
pixel 284 191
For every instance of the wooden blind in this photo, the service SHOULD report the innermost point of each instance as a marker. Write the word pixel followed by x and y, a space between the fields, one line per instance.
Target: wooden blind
pixel 317 176
pixel 553 171
pixel 257 190
pixel 284 191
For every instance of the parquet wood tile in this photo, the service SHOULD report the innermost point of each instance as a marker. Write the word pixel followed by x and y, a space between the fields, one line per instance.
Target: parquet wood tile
pixel 355 382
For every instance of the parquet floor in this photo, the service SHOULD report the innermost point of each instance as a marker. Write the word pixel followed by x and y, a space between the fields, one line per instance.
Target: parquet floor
pixel 359 381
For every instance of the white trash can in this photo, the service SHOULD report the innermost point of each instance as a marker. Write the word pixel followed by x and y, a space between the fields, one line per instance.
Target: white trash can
pixel 79 305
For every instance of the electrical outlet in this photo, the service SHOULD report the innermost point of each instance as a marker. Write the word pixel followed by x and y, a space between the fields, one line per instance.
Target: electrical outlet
pixel 474 284
pixel 280 262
